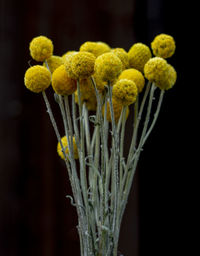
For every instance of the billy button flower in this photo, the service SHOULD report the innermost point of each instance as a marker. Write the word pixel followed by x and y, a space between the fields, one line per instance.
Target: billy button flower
pixel 157 70
pixel 66 148
pixel 122 55
pixel 62 83
pixel 67 58
pixel 88 95
pixel 37 78
pixel 41 48
pixel 138 55
pixel 82 64
pixel 53 62
pixel 97 48
pixel 108 67
pixel 135 76
pixel 117 109
pixel 163 46
pixel 125 91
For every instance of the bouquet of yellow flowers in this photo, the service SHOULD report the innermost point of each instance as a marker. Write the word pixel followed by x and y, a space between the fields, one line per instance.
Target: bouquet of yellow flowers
pixel 94 88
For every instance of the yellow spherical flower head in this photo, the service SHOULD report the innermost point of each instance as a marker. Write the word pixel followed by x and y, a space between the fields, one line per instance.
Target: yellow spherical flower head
pixel 125 91
pixel 117 109
pixel 41 48
pixel 163 46
pixel 108 67
pixel 123 56
pixel 88 98
pixel 97 48
pixel 135 76
pixel 138 55
pixel 99 83
pixel 53 63
pixel 62 83
pixel 172 77
pixel 156 70
pixel 82 64
pixel 67 58
pixel 37 78
pixel 66 148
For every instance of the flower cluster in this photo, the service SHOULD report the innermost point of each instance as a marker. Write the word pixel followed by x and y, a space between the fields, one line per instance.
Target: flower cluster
pixel 101 83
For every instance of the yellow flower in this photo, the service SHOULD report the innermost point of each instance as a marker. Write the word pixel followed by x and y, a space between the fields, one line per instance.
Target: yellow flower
pixel 108 67
pixel 88 95
pixel 53 62
pixel 41 48
pixel 62 83
pixel 138 55
pixel 97 48
pixel 171 78
pixel 99 83
pixel 125 91
pixel 134 75
pixel 67 58
pixel 117 109
pixel 82 64
pixel 66 148
pixel 88 98
pixel 157 70
pixel 163 46
pixel 123 56
pixel 37 78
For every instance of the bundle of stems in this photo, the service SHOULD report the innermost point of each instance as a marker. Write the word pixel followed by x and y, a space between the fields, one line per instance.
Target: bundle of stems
pixel 101 178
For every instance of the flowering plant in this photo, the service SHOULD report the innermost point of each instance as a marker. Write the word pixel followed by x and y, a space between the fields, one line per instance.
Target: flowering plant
pixel 104 82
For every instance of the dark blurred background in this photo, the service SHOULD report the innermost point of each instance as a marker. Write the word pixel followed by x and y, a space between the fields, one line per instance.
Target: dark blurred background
pixel 35 216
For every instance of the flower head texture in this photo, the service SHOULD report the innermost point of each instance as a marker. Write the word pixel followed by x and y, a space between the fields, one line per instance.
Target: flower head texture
pixel 138 55
pixel 67 58
pixel 117 109
pixel 37 78
pixel 171 78
pixel 66 148
pixel 108 67
pixel 53 62
pixel 97 48
pixel 134 75
pixel 82 64
pixel 41 48
pixel 62 83
pixel 163 46
pixel 125 91
pixel 157 70
pixel 122 55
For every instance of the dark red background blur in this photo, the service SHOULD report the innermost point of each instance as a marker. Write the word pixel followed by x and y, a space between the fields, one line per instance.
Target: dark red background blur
pixel 35 216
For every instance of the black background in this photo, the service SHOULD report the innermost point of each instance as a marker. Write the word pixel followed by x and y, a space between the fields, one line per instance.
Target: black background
pixel 35 216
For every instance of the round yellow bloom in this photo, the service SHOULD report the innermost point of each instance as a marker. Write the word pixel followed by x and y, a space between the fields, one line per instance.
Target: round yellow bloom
pixel 62 83
pixel 53 62
pixel 37 78
pixel 108 67
pixel 82 64
pixel 65 145
pixel 157 70
pixel 123 56
pixel 138 55
pixel 134 75
pixel 67 58
pixel 163 46
pixel 97 48
pixel 88 98
pixel 88 95
pixel 170 79
pixel 99 83
pixel 41 48
pixel 125 91
pixel 117 109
